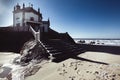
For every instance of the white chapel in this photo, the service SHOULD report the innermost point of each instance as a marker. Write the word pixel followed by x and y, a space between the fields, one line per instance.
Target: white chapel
pixel 23 16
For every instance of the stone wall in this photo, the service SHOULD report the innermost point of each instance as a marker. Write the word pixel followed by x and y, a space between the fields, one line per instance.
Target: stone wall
pixel 12 41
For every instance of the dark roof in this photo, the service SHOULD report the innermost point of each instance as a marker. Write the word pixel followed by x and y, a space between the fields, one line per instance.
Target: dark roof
pixel 33 22
pixel 27 9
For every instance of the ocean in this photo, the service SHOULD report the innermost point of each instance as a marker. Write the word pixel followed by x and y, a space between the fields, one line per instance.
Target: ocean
pixel 99 41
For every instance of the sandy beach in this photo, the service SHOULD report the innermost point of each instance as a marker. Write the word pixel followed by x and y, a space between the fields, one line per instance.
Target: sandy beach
pixel 7 57
pixel 88 66
pixel 6 60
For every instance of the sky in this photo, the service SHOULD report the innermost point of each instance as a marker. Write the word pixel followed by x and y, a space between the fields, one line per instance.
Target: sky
pixel 80 18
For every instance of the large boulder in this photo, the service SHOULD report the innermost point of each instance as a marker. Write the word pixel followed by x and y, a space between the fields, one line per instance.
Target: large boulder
pixel 32 50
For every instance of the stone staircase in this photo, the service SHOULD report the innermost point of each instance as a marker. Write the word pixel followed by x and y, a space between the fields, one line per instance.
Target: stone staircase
pixel 57 46
pixel 59 49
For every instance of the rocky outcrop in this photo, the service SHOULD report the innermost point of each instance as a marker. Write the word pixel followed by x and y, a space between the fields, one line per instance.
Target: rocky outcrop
pixel 32 50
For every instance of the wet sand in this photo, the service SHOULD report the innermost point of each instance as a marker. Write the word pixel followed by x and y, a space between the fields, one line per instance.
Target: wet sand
pixel 87 66
pixel 6 59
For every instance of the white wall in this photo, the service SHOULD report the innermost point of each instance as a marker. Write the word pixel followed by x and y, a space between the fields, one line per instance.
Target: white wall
pixel 30 14
pixel 18 18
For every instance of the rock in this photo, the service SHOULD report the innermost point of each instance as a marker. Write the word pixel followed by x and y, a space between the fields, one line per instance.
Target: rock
pixel 32 51
pixel 87 71
pixel 63 65
pixel 118 74
pixel 1 65
pixel 114 75
pixel 96 72
pixel 9 77
pixel 113 79
pixel 31 70
pixel 17 60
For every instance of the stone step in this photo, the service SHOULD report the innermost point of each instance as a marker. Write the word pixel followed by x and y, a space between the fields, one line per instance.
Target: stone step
pixel 53 51
pixel 59 48
pixel 56 54
pixel 49 48
pixel 47 45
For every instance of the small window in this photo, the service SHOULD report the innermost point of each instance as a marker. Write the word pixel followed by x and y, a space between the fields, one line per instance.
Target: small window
pixel 31 18
pixel 17 18
pixel 18 24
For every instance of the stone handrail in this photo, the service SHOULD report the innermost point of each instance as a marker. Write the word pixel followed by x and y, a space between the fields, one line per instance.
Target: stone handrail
pixel 35 34
pixel 37 38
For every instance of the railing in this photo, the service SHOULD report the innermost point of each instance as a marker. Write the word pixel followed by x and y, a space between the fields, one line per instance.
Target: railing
pixel 37 39
pixel 35 34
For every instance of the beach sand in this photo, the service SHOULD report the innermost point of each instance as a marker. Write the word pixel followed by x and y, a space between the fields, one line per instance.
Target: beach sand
pixel 7 57
pixel 87 66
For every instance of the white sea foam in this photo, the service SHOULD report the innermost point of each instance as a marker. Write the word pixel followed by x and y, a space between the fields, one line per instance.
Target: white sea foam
pixel 100 42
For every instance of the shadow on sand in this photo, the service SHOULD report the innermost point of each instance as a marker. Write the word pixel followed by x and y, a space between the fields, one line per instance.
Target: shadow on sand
pixel 96 48
pixel 75 56
pixel 88 60
pixel 101 48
